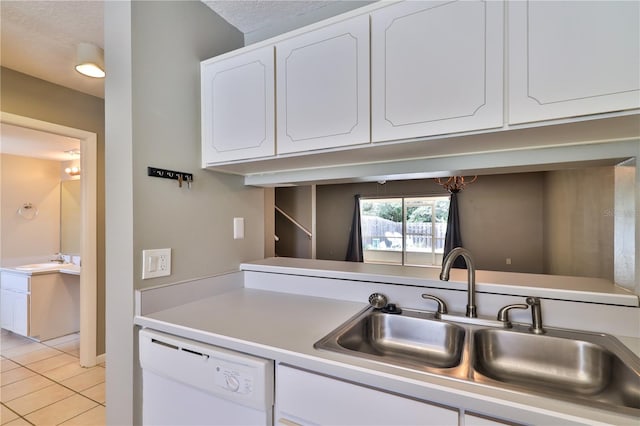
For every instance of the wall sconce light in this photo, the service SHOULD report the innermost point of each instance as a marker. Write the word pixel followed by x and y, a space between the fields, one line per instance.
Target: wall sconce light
pixel 90 60
pixel 72 171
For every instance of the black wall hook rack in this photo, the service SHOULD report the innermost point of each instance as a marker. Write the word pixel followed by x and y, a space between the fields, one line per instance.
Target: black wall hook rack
pixel 171 174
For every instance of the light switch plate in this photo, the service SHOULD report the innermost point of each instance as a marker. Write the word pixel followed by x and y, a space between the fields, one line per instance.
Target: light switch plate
pixel 238 228
pixel 156 263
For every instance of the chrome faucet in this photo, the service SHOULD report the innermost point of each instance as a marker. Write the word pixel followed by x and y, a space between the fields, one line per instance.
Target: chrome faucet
pixel 536 314
pixel 58 258
pixel 447 263
pixel 503 313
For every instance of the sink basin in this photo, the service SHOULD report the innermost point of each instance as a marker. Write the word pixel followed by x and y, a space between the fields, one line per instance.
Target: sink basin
pixel 41 266
pixel 406 340
pixel 579 366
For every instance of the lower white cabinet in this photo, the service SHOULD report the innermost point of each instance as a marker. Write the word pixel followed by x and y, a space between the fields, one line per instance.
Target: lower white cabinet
pixel 14 311
pixel 477 420
pixel 304 398
pixel 42 306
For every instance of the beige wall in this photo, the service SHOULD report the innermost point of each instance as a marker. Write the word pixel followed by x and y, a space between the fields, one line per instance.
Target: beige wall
pixel 624 214
pixel 492 234
pixel 27 96
pixel 70 218
pixel 579 222
pixel 559 222
pixel 153 52
pixel 198 223
pixel 296 201
pixel 500 218
pixel 35 181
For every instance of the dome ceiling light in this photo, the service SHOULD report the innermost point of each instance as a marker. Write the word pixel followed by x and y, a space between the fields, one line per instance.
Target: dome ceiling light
pixel 90 60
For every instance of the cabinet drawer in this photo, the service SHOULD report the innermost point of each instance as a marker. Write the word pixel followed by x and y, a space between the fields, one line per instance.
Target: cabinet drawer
pixel 310 399
pixel 15 282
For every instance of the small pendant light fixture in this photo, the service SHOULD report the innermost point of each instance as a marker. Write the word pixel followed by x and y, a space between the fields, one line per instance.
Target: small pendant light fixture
pixel 90 60
pixel 455 183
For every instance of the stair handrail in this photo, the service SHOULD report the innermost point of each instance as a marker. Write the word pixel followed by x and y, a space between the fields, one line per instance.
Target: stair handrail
pixel 295 222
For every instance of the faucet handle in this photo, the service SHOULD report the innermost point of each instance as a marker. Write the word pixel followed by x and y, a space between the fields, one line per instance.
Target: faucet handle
pixel 442 307
pixel 503 313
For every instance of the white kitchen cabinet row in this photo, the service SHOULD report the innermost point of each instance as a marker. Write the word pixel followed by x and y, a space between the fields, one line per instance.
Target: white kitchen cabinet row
pixel 42 307
pixel 417 69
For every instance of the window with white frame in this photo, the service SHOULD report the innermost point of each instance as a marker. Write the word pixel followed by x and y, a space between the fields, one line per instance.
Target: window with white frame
pixel 404 230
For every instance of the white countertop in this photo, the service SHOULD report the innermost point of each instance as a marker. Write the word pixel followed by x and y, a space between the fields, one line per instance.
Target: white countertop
pixel 284 327
pixel 593 290
pixel 69 269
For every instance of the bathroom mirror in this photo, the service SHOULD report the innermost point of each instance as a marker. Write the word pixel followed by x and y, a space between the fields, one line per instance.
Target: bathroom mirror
pixel 70 221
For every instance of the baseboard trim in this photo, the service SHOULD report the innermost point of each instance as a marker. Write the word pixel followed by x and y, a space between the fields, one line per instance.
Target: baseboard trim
pixel 101 358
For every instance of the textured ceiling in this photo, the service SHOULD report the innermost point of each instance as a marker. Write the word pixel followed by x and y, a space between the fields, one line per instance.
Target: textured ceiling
pixel 253 15
pixel 39 38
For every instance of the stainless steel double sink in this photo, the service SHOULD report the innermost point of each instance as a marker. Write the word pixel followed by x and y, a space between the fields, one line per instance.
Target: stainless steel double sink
pixel 585 368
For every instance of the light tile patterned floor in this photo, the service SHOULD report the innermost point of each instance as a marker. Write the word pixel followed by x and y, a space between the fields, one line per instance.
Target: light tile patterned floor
pixel 43 383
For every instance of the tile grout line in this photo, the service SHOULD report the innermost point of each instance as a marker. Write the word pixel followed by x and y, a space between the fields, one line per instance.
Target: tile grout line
pixel 23 417
pixel 79 414
pixel 58 383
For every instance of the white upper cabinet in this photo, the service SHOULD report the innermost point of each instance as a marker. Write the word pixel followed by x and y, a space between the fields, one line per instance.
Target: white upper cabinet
pixel 436 67
pixel 571 58
pixel 238 120
pixel 323 87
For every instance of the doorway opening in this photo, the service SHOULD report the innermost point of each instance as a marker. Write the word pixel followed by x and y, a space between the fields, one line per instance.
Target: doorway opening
pixel 88 251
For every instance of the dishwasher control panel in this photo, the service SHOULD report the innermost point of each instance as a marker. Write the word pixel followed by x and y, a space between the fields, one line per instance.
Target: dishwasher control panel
pixel 233 377
pixel 238 377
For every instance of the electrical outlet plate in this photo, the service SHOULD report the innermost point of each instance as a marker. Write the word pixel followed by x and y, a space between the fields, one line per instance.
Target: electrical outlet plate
pixel 156 263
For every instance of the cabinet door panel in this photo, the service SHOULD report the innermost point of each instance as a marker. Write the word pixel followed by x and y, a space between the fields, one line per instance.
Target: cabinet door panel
pixel 323 87
pixel 14 314
pixel 22 314
pixel 311 399
pixel 573 58
pixel 6 309
pixel 436 68
pixel 238 107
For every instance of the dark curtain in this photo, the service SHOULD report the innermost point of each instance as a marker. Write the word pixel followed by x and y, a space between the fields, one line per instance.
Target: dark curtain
pixel 452 238
pixel 354 251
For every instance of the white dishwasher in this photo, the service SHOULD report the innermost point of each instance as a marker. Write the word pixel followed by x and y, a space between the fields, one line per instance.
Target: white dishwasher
pixel 185 382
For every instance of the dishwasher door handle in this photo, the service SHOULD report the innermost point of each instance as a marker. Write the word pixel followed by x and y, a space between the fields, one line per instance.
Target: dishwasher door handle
pixel 180 349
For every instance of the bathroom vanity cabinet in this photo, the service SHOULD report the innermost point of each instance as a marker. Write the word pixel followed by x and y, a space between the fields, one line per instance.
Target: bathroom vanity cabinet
pixel 39 306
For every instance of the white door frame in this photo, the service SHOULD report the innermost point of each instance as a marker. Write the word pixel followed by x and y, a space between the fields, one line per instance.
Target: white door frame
pixel 88 211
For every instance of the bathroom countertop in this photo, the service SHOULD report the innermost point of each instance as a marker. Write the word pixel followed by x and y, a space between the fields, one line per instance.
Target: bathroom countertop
pixel 67 268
